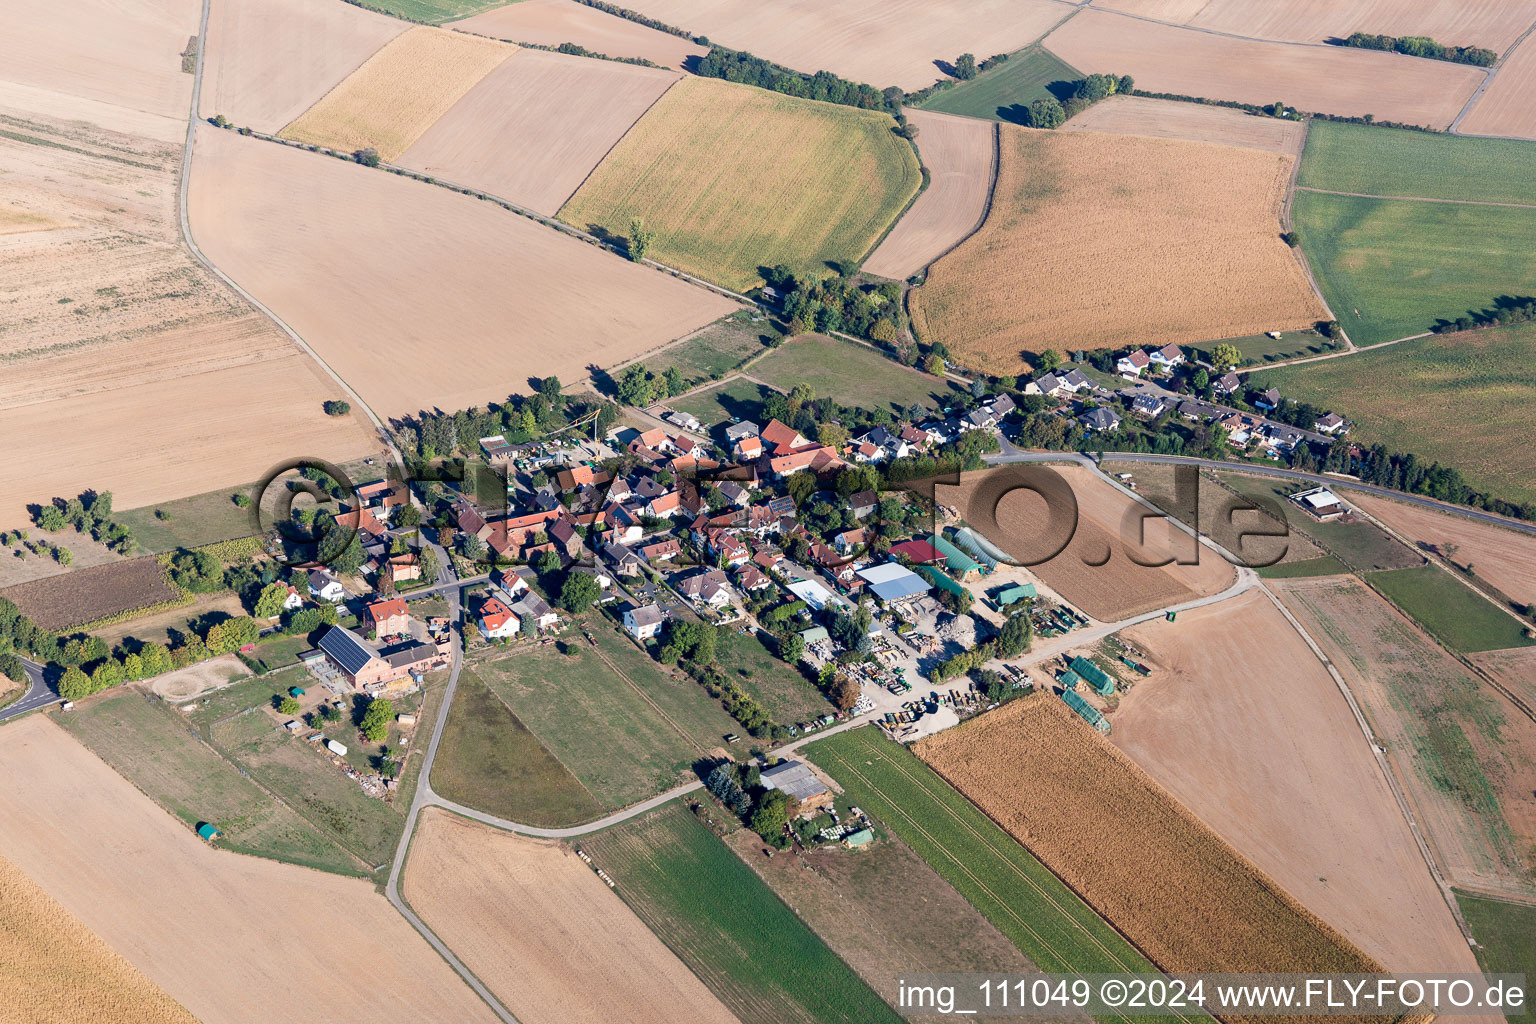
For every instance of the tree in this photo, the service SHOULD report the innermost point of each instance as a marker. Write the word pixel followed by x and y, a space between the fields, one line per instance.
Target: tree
pixel 771 816
pixel 845 692
pixel 367 157
pixel 376 718
pixel 1048 360
pixel 288 705
pixel 1226 356
pixel 50 518
pixel 63 555
pixel 157 659
pixel 1201 380
pixel 934 365
pixel 474 547
pixel 965 67
pixel 1046 113
pixel 409 516
pixel 270 604
pixel 1016 636
pixel 337 408
pixel 74 684
pixel 241 500
pixel 232 634
pixel 791 646
pixel 578 592
pixel 639 239
pixel 427 560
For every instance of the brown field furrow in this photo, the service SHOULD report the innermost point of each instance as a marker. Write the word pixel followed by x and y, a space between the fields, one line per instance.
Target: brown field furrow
pixel 1152 868
pixel 267 61
pixel 1515 668
pixel 552 22
pixel 1508 105
pixel 514 135
pixel 544 933
pixel 447 301
pixel 1282 772
pixel 958 152
pixel 878 42
pixel 234 939
pixel 58 602
pixel 1098 241
pixel 1326 79
pixel 1493 24
pixel 1192 122
pixel 1503 558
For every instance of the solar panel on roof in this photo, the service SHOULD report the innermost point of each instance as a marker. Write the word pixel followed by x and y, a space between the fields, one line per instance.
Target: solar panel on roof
pixel 346 648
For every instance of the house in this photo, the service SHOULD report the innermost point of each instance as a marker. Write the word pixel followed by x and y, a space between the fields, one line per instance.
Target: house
pixel 1321 502
pixel 1132 365
pixel 1330 423
pixel 469 521
pixel 624 525
pixel 863 503
pixel 1100 420
pixel 581 476
pixel 686 420
pixel 661 551
pixel 781 438
pixel 562 534
pixel 850 540
pixel 530 607
pixel 1148 406
pixel 752 579
pixel 644 622
pixel 387 618
pixel 625 562
pixel 815 596
pixel 663 506
pixel 364 522
pixel 365 666
pixel 1167 357
pixel 731 550
pixel 324 586
pixel 767 559
pixel 1194 411
pixel 794 779
pixel 817 459
pixel 497 621
pixel 748 448
pixel 293 600
pixel 1055 385
pixel 709 589
pixel 918 552
pixel 403 568
pixel 738 431
pixel 1227 384
pixel 1269 401
pixel 734 493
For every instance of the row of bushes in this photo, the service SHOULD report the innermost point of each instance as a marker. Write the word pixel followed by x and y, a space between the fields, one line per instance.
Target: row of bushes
pixel 1508 311
pixel 1423 46
pixel 1269 108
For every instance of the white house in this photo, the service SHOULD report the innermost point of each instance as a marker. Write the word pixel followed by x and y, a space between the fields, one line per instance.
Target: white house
pixel 497 621
pixel 326 587
pixel 644 623
pixel 530 607
pixel 1132 365
pixel 1167 357
pixel 293 601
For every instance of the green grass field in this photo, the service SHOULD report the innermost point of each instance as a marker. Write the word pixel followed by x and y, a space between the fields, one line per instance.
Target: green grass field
pixel 1391 162
pixel 490 761
pixel 1324 566
pixel 739 398
pixel 1391 268
pixel 195 521
pixel 1453 612
pixel 761 960
pixel 1261 348
pixel 433 12
pixel 784 693
pixel 731 178
pixel 1360 545
pixel 1503 932
pixel 1464 400
pixel 281 652
pixel 849 374
pixel 231 700
pixel 717 349
pixel 1002 93
pixel 1013 890
pixel 151 746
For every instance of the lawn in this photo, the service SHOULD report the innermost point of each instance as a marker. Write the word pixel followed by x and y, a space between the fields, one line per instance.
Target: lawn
pixel 849 374
pixel 1454 613
pixel 731 178
pixel 761 960
pixel 279 652
pixel 1391 268
pixel 151 746
pixel 1391 162
pixel 195 521
pixel 717 349
pixel 1503 932
pixel 1261 348
pixel 784 693
pixel 1324 566
pixel 1359 545
pixel 490 761
pixel 1463 400
pixel 740 399
pixel 1003 93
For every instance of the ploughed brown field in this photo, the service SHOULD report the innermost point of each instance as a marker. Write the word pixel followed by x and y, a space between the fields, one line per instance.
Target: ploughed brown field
pixel 1282 772
pixel 545 934
pixel 960 153
pixel 1504 558
pixel 448 301
pixel 1325 79
pixel 1111 240
pixel 1508 105
pixel 1138 856
pixel 1192 122
pixel 552 22
pixel 58 602
pixel 1515 669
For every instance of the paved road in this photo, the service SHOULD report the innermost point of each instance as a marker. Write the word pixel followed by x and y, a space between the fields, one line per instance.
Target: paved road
pixel 38 694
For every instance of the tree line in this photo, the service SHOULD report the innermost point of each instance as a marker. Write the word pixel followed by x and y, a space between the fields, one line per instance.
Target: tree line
pixel 739 66
pixel 1506 311
pixel 1423 46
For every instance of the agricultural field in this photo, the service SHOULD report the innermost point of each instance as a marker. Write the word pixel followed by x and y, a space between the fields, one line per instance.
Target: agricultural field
pixel 399 92
pixel 716 350
pixel 622 724
pixel 755 955
pixel 84 553
pixel 1358 543
pixel 267 62
pixel 1324 565
pixel 1456 614
pixel 1004 92
pixel 488 760
pixel 1390 162
pixel 1463 400
pixel 1107 829
pixel 849 374
pixel 151 746
pixel 1393 268
pixel 1324 79
pixel 1192 122
pixel 783 692
pixel 1502 559
pixel 74 598
pixel 1515 669
pixel 240 932
pixel 1261 348
pixel 792 181
pixel 1466 755
pixel 277 219
pixel 59 972
pixel 552 22
pixel 960 155
pixel 1503 932
pixel 1114 240
pixel 1283 774
pixel 511 133
pixel 191 522
pixel 434 11
pixel 555 945
pixel 898 42
pixel 1506 107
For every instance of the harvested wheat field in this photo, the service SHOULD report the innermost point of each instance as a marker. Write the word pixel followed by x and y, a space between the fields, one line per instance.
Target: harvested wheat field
pixel 1493 24
pixel 552 22
pixel 731 177
pixel 1192 122
pixel 268 61
pixel 1515 669
pixel 514 135
pixel 1138 856
pixel 544 933
pixel 1098 241
pixel 57 972
pixel 399 92
pixel 960 154
pixel 1505 559
pixel 434 282
pixel 231 938
pixel 1325 79
pixel 1107 590
pixel 878 42
pixel 1508 105
pixel 1464 753
pixel 1282 772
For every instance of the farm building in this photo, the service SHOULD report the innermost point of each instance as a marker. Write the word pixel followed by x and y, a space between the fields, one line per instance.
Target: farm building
pixel 794 779
pixel 1086 711
pixel 1321 502
pixel 364 665
pixel 918 551
pixel 1095 676
pixel 892 582
pixel 956 561
pixel 938 579
pixel 985 552
pixel 1016 593
pixel 1069 680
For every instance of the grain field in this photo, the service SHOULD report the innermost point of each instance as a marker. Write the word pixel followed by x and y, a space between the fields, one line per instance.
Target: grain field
pixel 1508 105
pixel 552 22
pixel 1192 122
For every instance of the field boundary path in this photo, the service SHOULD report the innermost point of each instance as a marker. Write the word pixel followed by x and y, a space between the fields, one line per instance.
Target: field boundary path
pixel 1415 199
pixel 1498 65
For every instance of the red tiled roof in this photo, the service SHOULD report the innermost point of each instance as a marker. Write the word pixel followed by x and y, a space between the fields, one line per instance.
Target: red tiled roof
pixel 919 550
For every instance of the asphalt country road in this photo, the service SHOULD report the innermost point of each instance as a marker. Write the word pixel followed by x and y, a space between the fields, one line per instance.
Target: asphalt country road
pixel 38 694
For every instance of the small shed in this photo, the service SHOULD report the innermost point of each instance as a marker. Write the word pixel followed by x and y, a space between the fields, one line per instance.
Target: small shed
pixel 863 837
pixel 1086 711
pixel 814 634
pixel 1095 676
pixel 338 749
pixel 1016 593
pixel 295 691
pixel 1069 680
pixel 207 832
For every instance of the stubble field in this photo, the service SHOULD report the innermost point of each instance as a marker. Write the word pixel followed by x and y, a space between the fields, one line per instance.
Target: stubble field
pixel 959 154
pixel 434 278
pixel 1515 669
pixel 1508 106
pixel 1192 122
pixel 515 133
pixel 1504 558
pixel 788 181
pixel 552 22
pixel 1112 240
